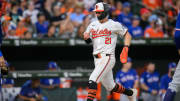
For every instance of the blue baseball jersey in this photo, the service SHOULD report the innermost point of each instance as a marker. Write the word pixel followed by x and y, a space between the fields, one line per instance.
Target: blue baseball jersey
pixel 151 80
pixel 127 79
pixel 136 31
pixel 28 91
pixel 125 19
pixel 164 82
pixel 8 81
pixel 177 32
pixel 50 81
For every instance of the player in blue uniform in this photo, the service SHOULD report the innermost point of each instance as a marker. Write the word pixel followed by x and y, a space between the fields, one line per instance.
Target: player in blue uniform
pixel 149 83
pixel 31 91
pixel 175 84
pixel 127 77
pixel 167 78
pixel 51 82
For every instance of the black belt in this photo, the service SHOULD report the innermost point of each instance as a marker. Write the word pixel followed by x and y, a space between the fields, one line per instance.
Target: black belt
pixel 99 55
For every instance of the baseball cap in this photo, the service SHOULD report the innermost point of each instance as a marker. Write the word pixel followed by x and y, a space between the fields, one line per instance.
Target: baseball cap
pixel 99 7
pixel 144 10
pixel 129 59
pixel 172 65
pixel 126 4
pixel 52 65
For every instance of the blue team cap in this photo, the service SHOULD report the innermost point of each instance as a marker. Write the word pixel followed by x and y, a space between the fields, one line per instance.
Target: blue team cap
pixel 126 4
pixel 52 65
pixel 172 65
pixel 129 59
pixel 153 18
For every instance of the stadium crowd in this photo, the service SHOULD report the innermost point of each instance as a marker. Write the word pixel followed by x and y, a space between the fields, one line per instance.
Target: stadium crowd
pixel 69 18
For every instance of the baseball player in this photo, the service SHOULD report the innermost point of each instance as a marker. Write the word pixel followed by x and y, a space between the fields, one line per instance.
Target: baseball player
pixel 167 78
pixel 50 83
pixel 127 77
pixel 149 83
pixel 175 84
pixel 103 34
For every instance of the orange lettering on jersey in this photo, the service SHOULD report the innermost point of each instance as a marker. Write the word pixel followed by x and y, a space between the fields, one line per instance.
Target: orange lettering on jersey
pixel 100 33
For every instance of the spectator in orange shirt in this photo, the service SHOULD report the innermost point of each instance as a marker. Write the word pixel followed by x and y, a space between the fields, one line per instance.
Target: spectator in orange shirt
pixel 21 29
pixel 152 4
pixel 155 29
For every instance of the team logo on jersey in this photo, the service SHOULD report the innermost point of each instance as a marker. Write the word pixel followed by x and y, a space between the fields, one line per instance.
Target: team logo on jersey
pixel 100 33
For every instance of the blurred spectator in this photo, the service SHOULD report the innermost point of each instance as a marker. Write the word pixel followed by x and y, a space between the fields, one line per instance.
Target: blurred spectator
pixel 169 21
pixel 51 32
pixel 21 29
pixel 77 16
pixel 118 7
pixel 68 6
pixel 155 29
pixel 152 4
pixel 89 3
pixel 83 26
pixel 128 77
pixel 8 82
pixel 42 25
pixel 32 12
pixel 47 9
pixel 7 25
pixel 14 12
pixel 51 83
pixel 27 35
pixel 149 83
pixel 62 22
pixel 125 17
pixel 22 8
pixel 145 13
pixel 135 30
pixel 167 78
pixel 31 91
pixel 28 24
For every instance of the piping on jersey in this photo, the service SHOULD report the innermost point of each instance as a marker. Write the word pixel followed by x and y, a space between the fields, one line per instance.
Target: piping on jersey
pixel 103 69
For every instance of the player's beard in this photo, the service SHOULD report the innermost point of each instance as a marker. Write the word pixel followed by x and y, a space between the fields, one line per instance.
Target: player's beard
pixel 102 16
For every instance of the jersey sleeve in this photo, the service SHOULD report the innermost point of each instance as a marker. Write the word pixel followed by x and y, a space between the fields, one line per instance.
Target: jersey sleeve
pixel 120 29
pixel 162 83
pixel 23 91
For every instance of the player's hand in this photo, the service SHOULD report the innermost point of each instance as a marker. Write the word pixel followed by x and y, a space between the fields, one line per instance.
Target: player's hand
pixel 86 36
pixel 124 54
pixel 32 99
pixel 154 92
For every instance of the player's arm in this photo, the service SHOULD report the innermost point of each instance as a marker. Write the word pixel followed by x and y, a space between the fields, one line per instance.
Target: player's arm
pixel 127 39
pixel 136 83
pixel 87 37
pixel 143 85
pixel 127 42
